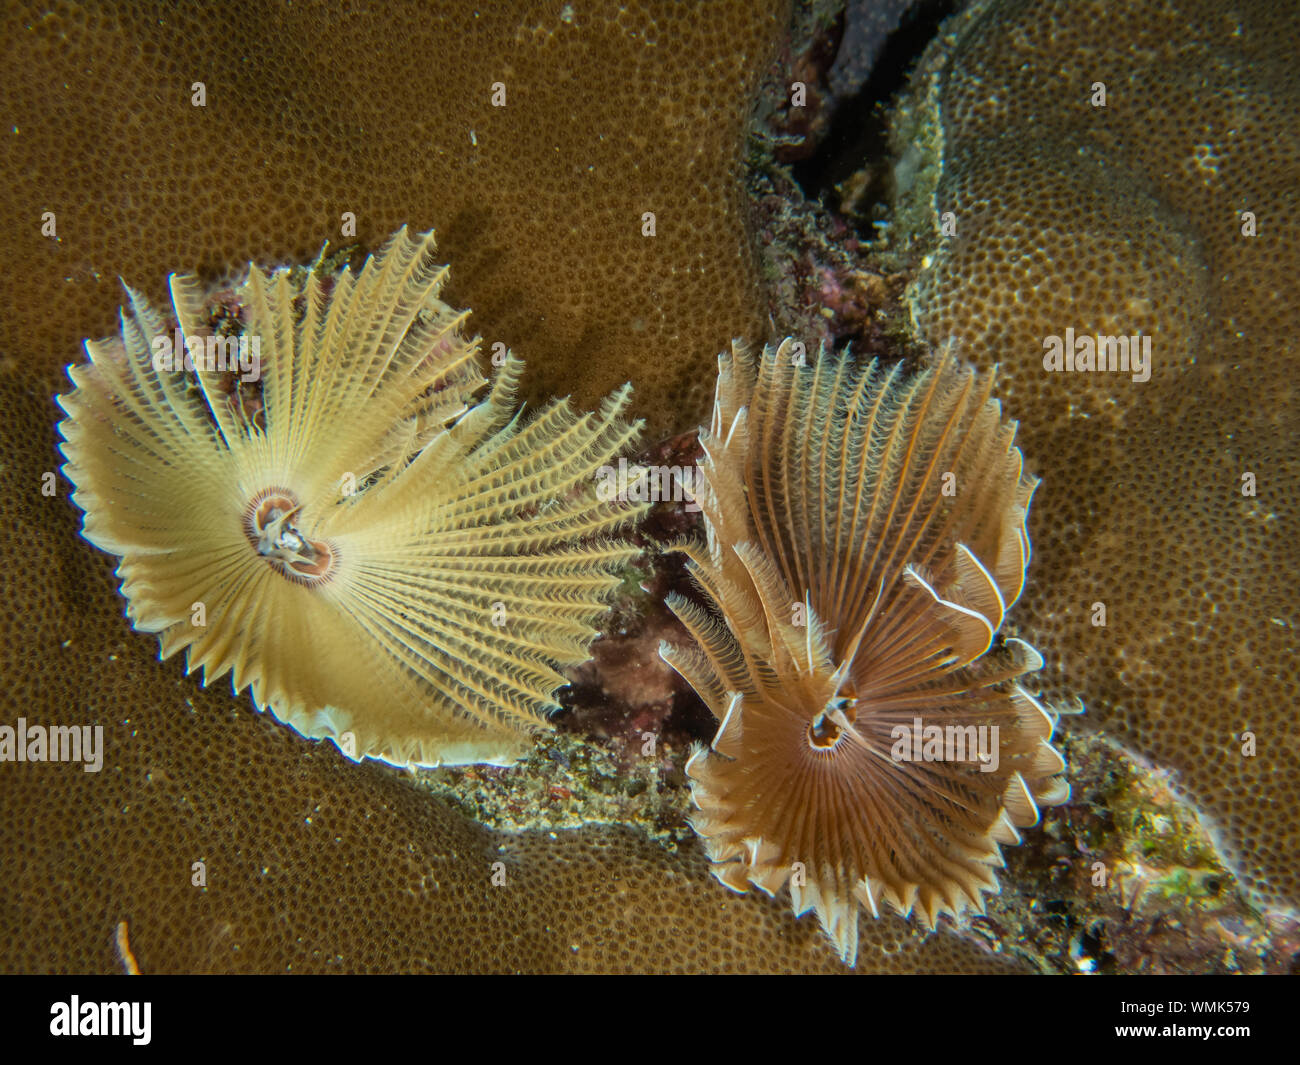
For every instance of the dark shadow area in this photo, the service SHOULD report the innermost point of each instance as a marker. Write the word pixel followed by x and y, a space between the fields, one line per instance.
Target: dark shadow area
pixel 858 135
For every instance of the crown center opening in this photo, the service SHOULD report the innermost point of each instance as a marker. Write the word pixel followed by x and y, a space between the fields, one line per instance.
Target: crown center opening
pixel 269 524
pixel 827 728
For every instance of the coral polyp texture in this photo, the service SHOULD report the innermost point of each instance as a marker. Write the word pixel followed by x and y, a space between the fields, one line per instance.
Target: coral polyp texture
pixel 379 555
pixel 1132 170
pixel 549 133
pixel 865 537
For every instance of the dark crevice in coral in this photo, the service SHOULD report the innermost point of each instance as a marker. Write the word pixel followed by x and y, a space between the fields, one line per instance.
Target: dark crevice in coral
pixel 858 137
pixel 626 693
pixel 1092 948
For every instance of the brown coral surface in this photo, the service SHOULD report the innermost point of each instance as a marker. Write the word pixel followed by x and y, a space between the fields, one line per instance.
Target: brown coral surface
pixel 608 111
pixel 310 862
pixel 1122 219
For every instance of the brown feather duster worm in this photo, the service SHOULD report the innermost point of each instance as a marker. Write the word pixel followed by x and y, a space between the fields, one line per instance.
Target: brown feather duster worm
pixel 315 499
pixel 866 537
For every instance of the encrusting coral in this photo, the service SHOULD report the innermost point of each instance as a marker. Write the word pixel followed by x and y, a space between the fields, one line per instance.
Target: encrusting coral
pixel 866 536
pixel 381 558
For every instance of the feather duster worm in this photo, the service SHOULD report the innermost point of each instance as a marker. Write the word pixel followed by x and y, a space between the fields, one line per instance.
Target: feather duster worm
pixel 866 536
pixel 381 557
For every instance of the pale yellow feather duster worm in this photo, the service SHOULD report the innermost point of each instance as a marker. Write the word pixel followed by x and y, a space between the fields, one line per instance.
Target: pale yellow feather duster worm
pixel 866 536
pixel 382 556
